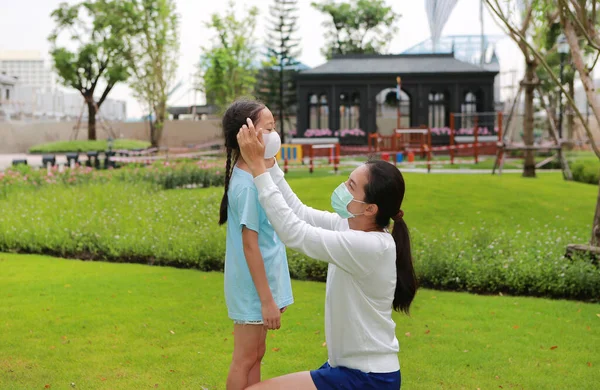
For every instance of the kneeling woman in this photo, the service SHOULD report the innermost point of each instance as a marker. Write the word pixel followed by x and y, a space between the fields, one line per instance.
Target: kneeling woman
pixel 370 270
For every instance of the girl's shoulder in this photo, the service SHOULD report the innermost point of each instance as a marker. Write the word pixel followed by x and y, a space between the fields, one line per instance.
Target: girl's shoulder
pixel 241 182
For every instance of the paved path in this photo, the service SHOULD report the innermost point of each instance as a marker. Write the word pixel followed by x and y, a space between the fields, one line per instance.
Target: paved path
pixel 35 160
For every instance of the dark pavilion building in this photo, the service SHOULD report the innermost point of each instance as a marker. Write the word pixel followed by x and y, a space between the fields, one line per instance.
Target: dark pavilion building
pixel 352 96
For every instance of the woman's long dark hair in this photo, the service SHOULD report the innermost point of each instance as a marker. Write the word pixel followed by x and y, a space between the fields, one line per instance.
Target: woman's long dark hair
pixel 385 188
pixel 233 119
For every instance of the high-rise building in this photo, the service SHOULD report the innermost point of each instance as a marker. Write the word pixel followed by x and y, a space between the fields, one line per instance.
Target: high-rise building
pixel 28 67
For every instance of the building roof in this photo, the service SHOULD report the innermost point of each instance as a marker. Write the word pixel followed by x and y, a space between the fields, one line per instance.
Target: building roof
pixel 397 64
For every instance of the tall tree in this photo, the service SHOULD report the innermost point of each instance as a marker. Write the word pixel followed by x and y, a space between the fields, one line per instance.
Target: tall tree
pixel 579 20
pixel 152 53
pixel 520 22
pixel 97 30
pixel 357 26
pixel 276 79
pixel 228 68
pixel 581 23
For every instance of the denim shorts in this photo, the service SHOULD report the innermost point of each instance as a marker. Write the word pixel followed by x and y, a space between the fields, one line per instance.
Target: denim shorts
pixel 342 378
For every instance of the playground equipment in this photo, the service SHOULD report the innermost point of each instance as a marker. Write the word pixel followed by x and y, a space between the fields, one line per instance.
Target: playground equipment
pixel 308 149
pixel 471 131
pixel 469 134
pixel 290 152
pixel 506 143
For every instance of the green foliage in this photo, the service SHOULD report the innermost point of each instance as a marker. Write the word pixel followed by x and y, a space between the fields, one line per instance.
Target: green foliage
pixel 276 80
pixel 98 30
pixel 153 56
pixel 163 175
pixel 87 146
pixel 357 26
pixel 227 69
pixel 461 239
pixel 586 171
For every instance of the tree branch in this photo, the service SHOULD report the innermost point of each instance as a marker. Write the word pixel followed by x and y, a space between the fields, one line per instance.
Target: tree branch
pixel 105 94
pixel 582 29
pixel 556 81
pixel 527 19
pixel 511 31
pixel 595 61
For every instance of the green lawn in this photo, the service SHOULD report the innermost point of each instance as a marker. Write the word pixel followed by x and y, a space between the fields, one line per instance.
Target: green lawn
pixel 93 325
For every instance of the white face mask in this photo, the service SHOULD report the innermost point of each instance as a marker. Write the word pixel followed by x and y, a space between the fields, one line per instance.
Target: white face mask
pixel 272 144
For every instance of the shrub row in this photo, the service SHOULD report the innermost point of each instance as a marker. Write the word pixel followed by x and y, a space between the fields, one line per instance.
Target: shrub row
pixel 132 220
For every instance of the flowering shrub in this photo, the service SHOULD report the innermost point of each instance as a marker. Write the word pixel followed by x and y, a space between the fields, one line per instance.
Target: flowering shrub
pixel 462 131
pixel 318 133
pixel 350 132
pixel 164 174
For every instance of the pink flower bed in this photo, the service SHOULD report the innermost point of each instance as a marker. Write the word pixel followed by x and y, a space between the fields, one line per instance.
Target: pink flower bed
pixel 462 131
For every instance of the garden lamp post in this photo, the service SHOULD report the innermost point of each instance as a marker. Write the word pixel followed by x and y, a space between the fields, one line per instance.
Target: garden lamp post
pixel 398 97
pixel 563 49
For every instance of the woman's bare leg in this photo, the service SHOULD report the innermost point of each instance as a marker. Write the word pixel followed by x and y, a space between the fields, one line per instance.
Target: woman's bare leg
pixel 295 381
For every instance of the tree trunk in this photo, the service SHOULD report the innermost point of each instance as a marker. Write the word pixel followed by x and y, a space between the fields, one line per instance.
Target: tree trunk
pixel 570 117
pixel 595 241
pixel 529 164
pixel 584 74
pixel 593 101
pixel 156 129
pixel 91 120
pixel 281 102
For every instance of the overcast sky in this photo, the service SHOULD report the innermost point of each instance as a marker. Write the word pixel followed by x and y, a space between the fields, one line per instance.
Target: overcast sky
pixel 25 25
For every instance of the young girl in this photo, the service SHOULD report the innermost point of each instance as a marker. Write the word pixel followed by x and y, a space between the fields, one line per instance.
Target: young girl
pixel 257 279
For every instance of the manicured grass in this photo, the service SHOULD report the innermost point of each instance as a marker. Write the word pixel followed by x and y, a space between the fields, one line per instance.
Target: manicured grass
pixel 87 146
pixel 96 325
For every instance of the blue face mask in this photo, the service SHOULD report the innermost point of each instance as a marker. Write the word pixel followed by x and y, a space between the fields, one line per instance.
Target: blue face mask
pixel 340 199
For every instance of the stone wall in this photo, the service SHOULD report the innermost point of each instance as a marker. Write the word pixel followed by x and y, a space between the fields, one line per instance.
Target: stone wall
pixel 18 137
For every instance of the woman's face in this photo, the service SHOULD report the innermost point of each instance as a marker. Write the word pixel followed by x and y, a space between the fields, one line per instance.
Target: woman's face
pixel 356 185
pixel 265 122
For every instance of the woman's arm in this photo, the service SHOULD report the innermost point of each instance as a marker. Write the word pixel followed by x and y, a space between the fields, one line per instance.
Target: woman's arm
pixel 270 311
pixel 351 250
pixel 317 218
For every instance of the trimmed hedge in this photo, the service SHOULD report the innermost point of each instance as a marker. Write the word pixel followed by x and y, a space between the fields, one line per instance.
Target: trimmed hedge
pixel 586 171
pixel 87 146
pixel 126 216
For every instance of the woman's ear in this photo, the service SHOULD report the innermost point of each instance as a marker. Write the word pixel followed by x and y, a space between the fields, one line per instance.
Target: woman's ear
pixel 371 210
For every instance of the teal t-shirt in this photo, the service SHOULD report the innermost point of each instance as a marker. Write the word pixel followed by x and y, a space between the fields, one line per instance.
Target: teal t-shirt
pixel 244 209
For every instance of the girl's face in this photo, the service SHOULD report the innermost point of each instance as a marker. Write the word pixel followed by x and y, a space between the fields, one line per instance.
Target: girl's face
pixel 265 122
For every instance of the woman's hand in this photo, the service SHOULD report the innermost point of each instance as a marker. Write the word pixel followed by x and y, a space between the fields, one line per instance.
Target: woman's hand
pixel 252 147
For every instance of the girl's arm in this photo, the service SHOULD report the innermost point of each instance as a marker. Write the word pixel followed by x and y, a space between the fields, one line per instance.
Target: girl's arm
pixel 353 251
pixel 317 218
pixel 270 311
